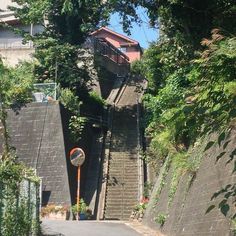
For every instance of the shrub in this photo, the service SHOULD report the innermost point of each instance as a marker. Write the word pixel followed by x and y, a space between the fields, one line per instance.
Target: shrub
pixel 161 218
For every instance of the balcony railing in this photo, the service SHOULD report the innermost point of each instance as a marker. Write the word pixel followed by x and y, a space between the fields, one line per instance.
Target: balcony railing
pixel 105 48
pixel 15 44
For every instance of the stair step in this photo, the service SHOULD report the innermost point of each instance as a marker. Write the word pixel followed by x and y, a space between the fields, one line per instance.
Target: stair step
pixel 122 188
pixel 125 176
pixel 116 194
pixel 130 194
pixel 130 158
pixel 124 161
pixel 126 166
pixel 120 165
pixel 121 206
pixel 128 191
pixel 130 197
pixel 118 215
pixel 121 179
pixel 118 211
pixel 123 183
pixel 119 153
pixel 126 171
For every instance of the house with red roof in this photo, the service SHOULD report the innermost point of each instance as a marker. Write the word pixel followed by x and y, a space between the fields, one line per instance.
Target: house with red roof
pixel 128 46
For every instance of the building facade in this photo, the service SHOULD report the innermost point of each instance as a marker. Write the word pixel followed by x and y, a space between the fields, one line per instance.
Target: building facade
pixel 129 47
pixel 12 47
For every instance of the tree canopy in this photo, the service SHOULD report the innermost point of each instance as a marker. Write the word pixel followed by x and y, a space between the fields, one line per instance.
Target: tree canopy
pixel 71 21
pixel 191 72
pixel 16 86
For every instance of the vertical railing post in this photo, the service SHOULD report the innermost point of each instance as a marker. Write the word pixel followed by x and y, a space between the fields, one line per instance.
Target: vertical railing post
pixel 1 207
pixel 140 161
pixel 29 203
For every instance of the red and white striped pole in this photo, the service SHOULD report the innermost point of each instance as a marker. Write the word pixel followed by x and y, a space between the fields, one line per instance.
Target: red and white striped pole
pixel 78 187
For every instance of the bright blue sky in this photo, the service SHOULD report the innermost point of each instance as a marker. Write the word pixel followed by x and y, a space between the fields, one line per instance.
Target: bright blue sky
pixel 143 34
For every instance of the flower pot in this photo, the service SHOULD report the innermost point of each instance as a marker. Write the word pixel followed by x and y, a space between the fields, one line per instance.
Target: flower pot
pixel 82 216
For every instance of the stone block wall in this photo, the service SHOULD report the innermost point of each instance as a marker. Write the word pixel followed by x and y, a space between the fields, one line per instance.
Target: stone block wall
pixel 37 134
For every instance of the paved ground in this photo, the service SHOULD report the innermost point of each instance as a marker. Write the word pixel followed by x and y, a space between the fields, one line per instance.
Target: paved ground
pixel 94 228
pixel 87 228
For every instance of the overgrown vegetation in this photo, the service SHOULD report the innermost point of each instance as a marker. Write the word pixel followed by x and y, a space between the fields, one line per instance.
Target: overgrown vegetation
pixel 233 226
pixel 191 73
pixel 18 211
pixel 15 91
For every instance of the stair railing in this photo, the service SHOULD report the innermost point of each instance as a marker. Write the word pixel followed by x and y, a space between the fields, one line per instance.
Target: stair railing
pixel 105 166
pixel 140 159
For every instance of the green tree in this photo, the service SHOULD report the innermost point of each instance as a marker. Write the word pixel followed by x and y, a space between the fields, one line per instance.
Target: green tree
pixel 191 70
pixel 15 91
pixel 68 20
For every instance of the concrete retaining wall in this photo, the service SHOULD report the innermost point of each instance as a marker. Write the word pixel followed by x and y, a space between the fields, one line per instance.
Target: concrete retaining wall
pixel 205 206
pixel 37 134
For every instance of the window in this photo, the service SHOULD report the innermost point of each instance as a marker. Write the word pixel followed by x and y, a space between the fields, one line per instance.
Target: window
pixel 123 49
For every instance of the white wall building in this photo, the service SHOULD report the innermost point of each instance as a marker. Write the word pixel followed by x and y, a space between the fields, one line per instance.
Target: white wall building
pixel 12 47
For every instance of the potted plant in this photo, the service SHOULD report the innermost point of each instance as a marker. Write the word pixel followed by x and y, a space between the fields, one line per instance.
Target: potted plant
pixel 81 211
pixel 75 211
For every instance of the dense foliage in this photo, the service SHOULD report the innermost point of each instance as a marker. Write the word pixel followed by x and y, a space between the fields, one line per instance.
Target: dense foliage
pixel 192 90
pixel 19 206
pixel 191 78
pixel 18 212
pixel 15 90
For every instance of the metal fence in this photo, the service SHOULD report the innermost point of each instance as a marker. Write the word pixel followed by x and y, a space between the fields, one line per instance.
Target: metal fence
pixel 44 92
pixel 15 44
pixel 19 209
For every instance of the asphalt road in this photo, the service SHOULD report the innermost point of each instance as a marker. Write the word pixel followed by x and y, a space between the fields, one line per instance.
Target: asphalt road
pixel 87 228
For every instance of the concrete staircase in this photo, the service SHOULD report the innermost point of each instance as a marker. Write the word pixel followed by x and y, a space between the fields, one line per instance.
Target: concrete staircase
pixel 122 191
